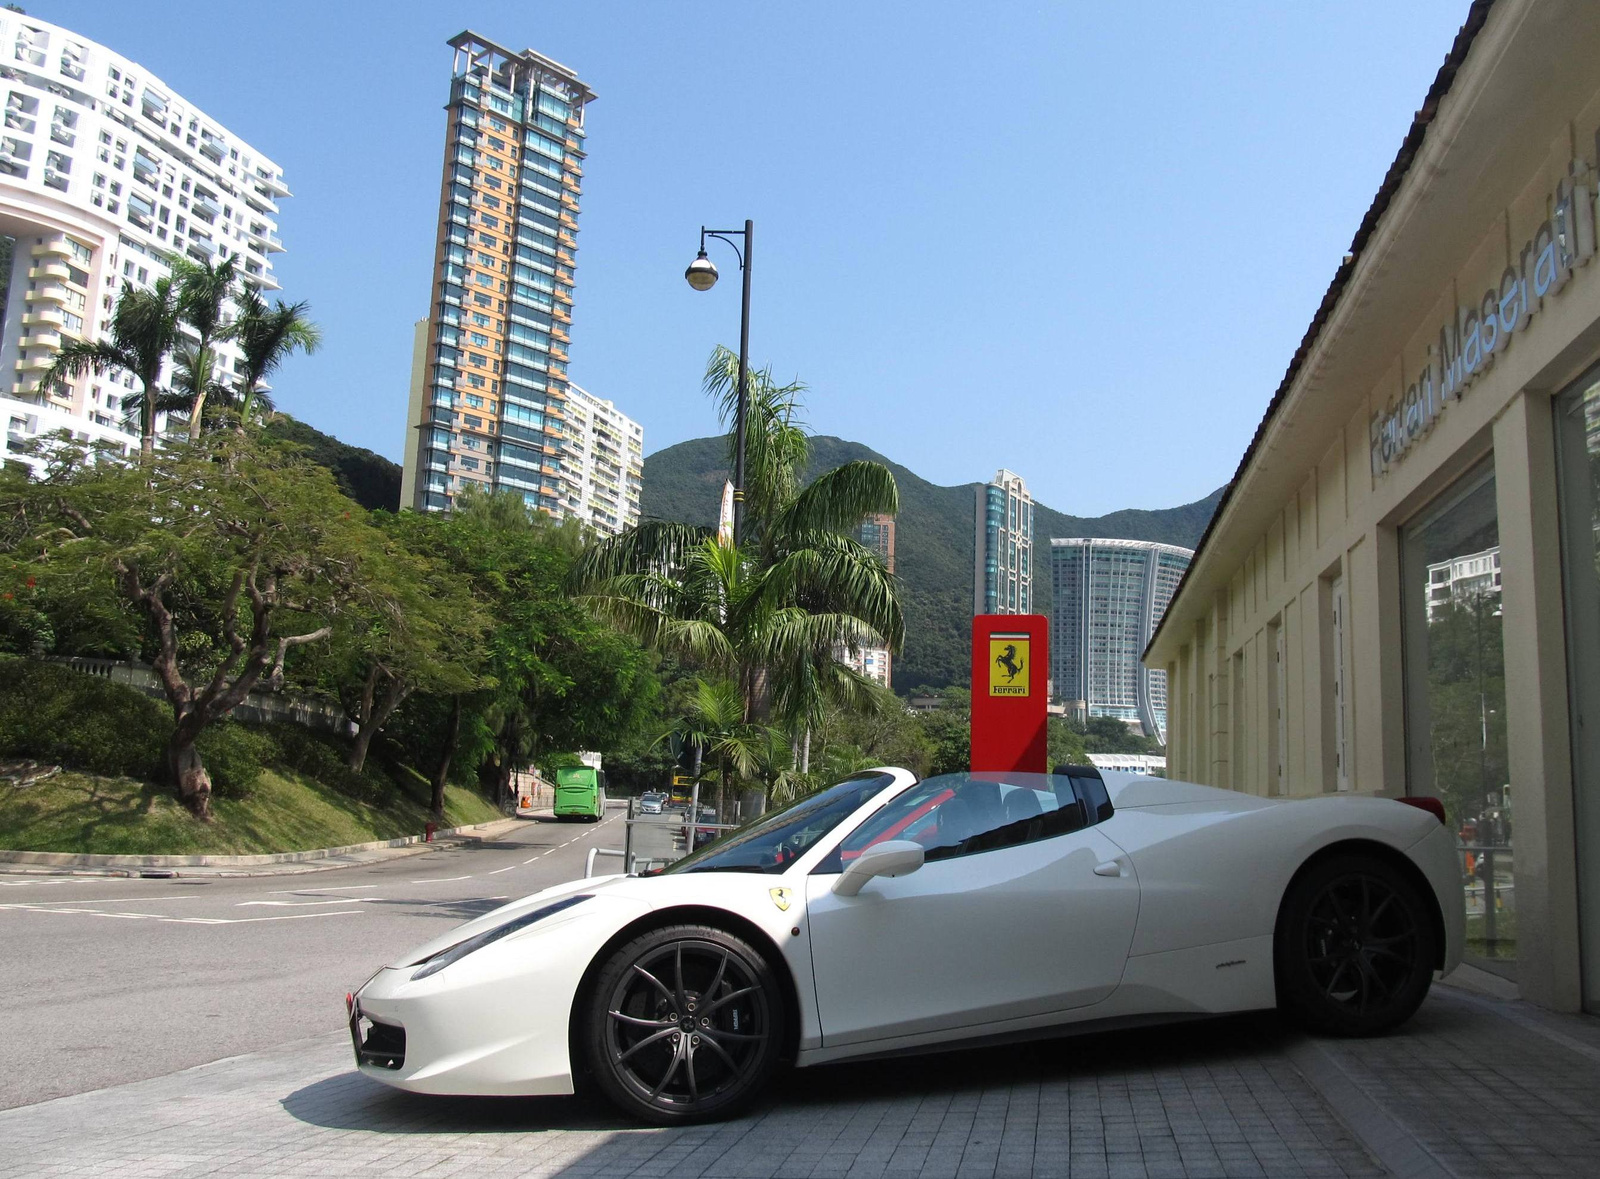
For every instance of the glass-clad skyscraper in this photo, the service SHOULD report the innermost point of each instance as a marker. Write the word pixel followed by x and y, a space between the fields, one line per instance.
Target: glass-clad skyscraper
pixel 489 386
pixel 1002 563
pixel 1109 596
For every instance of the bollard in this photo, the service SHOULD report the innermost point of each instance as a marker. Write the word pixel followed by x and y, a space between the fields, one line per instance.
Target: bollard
pixel 427 834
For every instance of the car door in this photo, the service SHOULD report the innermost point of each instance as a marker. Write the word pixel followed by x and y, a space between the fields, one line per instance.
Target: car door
pixel 1021 908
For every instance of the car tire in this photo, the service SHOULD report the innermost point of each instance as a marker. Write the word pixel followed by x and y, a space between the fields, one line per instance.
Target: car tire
pixel 685 1024
pixel 1355 946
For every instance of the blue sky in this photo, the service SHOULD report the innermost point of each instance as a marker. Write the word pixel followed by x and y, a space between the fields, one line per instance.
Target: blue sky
pixel 1077 240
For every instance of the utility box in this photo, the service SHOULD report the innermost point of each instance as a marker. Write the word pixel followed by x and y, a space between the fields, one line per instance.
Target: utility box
pixel 1010 693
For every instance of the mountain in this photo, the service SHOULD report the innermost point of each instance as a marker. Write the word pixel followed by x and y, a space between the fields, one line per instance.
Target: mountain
pixel 933 541
pixel 364 475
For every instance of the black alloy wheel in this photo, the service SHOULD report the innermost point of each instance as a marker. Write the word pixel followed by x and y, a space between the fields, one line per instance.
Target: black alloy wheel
pixel 686 1023
pixel 1355 948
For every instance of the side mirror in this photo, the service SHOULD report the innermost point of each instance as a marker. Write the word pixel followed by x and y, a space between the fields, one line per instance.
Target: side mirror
pixel 893 857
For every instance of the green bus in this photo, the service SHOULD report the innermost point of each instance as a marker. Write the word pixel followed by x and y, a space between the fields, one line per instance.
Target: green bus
pixel 580 793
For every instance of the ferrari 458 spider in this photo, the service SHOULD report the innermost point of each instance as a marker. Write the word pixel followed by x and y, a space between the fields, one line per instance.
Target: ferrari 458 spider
pixel 888 915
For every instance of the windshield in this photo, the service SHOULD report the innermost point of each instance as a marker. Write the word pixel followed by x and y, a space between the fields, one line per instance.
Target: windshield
pixel 774 841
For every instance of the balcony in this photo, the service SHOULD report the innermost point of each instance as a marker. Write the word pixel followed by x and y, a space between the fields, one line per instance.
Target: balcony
pixel 49 268
pixel 40 337
pixel 53 293
pixel 143 166
pixel 213 149
pixel 34 365
pixel 205 207
pixel 273 183
pixel 72 67
pixel 61 135
pixel 19 122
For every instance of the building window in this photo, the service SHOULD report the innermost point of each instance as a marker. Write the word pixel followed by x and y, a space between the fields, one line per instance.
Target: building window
pixel 1578 469
pixel 1455 699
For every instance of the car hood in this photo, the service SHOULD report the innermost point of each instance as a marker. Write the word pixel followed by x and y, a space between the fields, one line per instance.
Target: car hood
pixel 595 885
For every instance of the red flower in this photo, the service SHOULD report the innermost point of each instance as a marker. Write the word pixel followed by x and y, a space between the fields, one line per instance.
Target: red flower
pixel 7 595
pixel 31 583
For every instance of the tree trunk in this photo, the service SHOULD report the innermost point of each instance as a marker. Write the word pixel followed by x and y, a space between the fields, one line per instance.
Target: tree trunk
pixel 805 752
pixel 374 717
pixel 188 772
pixel 452 738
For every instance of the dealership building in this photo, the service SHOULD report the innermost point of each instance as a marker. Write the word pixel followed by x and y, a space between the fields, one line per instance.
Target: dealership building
pixel 1399 591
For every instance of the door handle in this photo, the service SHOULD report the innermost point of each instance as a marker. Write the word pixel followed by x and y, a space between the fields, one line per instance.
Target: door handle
pixel 1109 868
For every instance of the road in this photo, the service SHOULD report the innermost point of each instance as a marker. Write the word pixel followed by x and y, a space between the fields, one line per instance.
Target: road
pixel 110 980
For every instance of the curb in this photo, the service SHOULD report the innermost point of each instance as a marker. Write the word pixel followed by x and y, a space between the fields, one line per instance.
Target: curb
pixel 54 863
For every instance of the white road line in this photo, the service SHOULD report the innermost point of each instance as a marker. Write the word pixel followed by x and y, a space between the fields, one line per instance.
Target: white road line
pixel 307 904
pixel 30 883
pixel 282 892
pixel 186 896
pixel 440 879
pixel 252 920
pixel 497 871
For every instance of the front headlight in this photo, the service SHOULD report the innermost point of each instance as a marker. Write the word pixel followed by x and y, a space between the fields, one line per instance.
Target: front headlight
pixel 437 962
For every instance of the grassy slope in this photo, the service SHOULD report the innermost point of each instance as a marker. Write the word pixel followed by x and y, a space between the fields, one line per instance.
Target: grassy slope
pixel 74 812
pixel 933 541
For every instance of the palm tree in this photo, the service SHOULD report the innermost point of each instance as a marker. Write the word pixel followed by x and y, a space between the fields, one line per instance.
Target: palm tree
pixel 144 328
pixel 772 615
pixel 715 726
pixel 203 291
pixel 267 336
pixel 196 382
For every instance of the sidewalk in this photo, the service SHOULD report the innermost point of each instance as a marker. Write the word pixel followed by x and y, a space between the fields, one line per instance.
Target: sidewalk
pixel 1475 1086
pixel 281 864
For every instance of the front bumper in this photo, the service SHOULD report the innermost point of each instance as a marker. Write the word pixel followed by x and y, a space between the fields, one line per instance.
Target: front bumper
pixel 494 1023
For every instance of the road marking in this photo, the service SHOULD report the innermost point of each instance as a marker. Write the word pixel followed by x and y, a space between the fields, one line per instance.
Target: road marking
pixel 440 879
pixel 186 896
pixel 308 904
pixel 252 920
pixel 497 871
pixel 29 883
pixel 339 888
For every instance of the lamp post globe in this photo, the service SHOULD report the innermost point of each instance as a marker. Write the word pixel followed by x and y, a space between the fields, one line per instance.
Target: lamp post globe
pixel 702 273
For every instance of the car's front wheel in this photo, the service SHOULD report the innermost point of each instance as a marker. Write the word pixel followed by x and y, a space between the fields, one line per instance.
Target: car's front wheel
pixel 686 1023
pixel 1355 946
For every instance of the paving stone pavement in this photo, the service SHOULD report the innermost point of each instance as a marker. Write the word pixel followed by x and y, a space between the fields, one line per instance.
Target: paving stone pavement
pixel 1473 1087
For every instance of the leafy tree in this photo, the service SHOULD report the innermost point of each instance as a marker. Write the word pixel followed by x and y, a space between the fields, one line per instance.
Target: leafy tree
pixel 548 676
pixel 1466 705
pixel 222 558
pixel 144 329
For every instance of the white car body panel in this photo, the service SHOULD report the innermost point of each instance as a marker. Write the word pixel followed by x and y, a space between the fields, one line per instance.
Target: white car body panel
pixel 945 924
pixel 1178 921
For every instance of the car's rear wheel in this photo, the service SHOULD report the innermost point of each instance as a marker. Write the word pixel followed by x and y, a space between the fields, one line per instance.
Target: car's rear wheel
pixel 686 1023
pixel 1355 947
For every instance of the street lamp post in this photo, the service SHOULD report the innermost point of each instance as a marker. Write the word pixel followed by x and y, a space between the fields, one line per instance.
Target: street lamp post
pixel 702 276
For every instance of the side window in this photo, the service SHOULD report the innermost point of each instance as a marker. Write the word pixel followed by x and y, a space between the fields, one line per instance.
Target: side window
pixel 957 815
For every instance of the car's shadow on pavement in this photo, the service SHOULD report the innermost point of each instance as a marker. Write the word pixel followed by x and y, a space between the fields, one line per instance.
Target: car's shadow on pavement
pixel 351 1101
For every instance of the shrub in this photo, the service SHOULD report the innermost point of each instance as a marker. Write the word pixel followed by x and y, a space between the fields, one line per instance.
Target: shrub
pixel 235 756
pixel 321 756
pixel 52 713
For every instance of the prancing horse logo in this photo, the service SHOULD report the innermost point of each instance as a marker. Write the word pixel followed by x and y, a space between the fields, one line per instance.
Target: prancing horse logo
pixel 780 897
pixel 1007 661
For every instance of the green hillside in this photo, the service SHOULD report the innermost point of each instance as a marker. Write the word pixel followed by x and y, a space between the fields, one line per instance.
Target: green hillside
pixel 933 541
pixel 364 475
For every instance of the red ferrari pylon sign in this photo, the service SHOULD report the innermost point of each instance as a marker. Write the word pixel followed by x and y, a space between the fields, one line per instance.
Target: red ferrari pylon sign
pixel 1010 692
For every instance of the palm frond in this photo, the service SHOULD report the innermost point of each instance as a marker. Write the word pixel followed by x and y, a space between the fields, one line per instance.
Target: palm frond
pixel 653 545
pixel 840 499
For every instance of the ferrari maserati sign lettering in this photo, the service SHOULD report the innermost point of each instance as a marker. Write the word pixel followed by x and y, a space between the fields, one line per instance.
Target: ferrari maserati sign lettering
pixel 1008 664
pixel 1481 330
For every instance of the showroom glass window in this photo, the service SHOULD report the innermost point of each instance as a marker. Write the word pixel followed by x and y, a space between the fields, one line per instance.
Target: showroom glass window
pixel 1455 696
pixel 1578 465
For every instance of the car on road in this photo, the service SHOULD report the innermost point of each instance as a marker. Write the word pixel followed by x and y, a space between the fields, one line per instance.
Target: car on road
pixel 888 914
pixel 651 804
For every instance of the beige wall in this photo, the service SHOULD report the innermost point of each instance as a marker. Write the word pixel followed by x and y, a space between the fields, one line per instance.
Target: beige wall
pixel 1309 509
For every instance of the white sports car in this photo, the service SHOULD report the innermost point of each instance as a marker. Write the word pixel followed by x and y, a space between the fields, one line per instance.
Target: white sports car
pixel 888 915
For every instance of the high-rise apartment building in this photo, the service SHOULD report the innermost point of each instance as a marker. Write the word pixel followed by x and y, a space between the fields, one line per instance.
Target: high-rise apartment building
pixel 1002 566
pixel 877 534
pixel 490 401
pixel 1109 596
pixel 105 170
pixel 602 463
